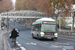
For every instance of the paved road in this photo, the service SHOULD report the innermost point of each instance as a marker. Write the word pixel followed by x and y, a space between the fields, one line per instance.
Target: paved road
pixel 26 42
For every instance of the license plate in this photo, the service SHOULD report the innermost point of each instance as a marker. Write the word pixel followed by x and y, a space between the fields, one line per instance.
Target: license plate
pixel 49 37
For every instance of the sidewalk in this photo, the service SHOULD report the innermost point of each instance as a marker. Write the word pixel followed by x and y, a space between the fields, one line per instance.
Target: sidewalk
pixel 2 39
pixel 3 44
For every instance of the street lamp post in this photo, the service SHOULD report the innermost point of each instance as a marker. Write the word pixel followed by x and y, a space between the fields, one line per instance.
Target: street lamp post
pixel 7 21
pixel 0 17
pixel 60 22
pixel 72 23
pixel 73 19
pixel 0 23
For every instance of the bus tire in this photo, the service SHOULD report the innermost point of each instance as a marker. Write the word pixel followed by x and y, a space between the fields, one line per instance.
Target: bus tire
pixel 52 39
pixel 33 36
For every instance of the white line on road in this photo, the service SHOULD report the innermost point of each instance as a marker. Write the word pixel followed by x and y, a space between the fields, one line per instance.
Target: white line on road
pixel 31 43
pixel 21 46
pixel 16 42
pixel 45 42
pixel 56 46
pixel 28 43
pixel 14 49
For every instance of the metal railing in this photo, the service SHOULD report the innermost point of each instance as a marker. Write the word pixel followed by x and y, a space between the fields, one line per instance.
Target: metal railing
pixel 67 33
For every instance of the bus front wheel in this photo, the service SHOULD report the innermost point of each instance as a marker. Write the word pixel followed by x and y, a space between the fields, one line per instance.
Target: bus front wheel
pixel 52 39
pixel 33 35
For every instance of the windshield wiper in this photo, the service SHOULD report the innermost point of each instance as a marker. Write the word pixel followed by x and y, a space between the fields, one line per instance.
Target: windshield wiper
pixel 49 30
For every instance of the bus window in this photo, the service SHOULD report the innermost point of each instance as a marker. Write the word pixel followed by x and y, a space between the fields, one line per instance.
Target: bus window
pixel 36 27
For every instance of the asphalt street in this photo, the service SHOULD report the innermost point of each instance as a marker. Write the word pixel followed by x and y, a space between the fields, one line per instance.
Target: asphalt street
pixel 26 42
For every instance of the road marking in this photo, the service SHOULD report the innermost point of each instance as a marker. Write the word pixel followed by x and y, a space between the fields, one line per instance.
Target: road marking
pixel 64 49
pixel 31 43
pixel 20 46
pixel 14 49
pixel 27 43
pixel 45 42
pixel 55 46
pixel 16 42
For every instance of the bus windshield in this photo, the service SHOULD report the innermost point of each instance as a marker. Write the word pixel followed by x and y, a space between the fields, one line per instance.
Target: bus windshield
pixel 48 28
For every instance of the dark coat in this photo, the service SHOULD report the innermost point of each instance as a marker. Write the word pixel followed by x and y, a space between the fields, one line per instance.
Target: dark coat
pixel 14 34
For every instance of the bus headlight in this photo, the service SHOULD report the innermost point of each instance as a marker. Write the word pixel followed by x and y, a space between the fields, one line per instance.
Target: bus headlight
pixel 56 34
pixel 42 34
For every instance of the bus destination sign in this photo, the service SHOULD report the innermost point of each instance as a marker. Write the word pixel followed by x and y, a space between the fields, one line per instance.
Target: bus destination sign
pixel 49 22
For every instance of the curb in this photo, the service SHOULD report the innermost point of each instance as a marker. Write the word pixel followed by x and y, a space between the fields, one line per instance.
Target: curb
pixel 6 44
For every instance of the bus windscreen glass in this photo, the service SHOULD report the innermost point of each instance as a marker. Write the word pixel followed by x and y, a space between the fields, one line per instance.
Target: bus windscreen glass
pixel 48 28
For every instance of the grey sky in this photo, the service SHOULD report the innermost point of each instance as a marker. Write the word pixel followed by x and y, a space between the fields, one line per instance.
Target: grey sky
pixel 74 6
pixel 14 2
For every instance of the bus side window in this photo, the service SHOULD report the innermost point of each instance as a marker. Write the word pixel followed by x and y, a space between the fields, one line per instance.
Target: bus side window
pixel 36 27
pixel 33 28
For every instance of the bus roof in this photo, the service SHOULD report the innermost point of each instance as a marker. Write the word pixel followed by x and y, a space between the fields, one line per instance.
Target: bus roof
pixel 45 19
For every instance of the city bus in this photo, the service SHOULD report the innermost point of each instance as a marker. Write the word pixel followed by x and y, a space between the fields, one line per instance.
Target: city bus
pixel 45 28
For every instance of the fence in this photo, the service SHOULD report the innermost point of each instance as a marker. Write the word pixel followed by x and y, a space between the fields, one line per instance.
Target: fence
pixel 67 33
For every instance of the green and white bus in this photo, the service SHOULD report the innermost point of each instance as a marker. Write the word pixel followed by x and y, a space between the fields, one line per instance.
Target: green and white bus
pixel 45 28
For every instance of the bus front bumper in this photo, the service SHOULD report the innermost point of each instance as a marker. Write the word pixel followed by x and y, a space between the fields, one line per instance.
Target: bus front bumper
pixel 48 37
